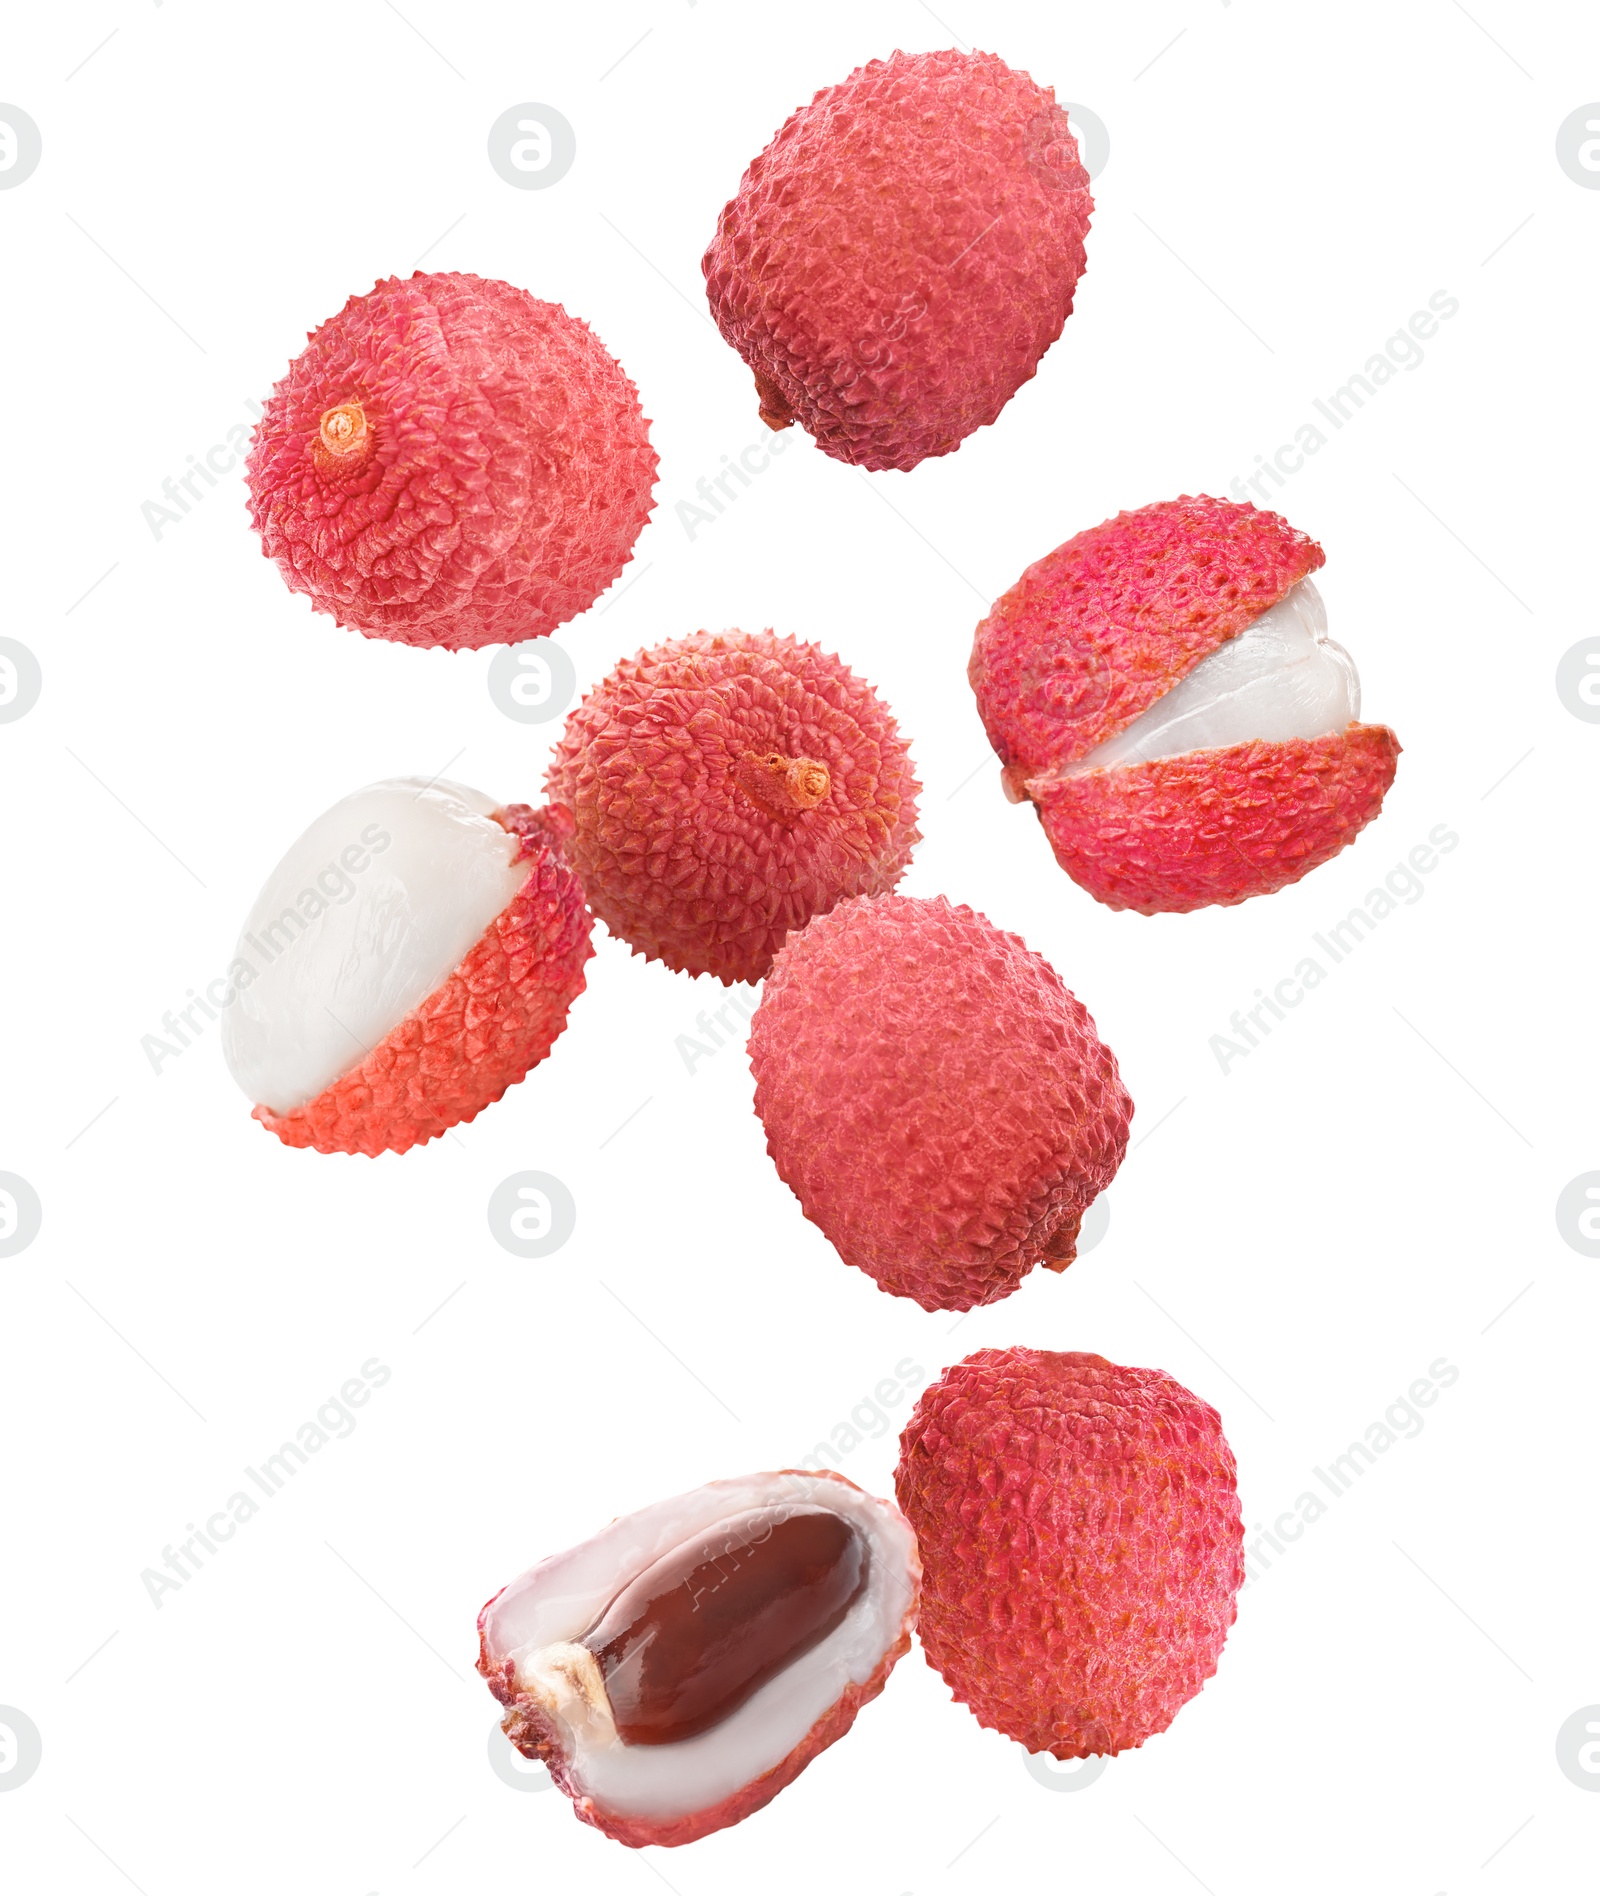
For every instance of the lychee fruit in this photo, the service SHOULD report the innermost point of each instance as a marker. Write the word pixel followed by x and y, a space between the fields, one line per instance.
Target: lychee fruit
pixel 724 789
pixel 412 956
pixel 938 1102
pixel 898 259
pixel 680 1668
pixel 451 462
pixel 1164 690
pixel 1081 1544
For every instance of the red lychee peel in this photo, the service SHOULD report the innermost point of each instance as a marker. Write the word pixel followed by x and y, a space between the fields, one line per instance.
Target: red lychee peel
pixel 938 1102
pixel 500 474
pixel 492 1020
pixel 1215 827
pixel 1095 632
pixel 1081 1544
pixel 901 255
pixel 679 838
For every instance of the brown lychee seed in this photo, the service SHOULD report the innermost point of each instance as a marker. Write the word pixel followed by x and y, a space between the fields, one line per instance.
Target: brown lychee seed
pixel 677 1670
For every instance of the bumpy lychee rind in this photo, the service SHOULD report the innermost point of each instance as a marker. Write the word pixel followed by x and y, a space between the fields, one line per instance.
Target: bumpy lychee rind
pixel 503 475
pixel 681 851
pixel 1081 1545
pixel 1095 632
pixel 938 1102
pixel 898 259
pixel 495 1017
pixel 1090 637
pixel 1215 827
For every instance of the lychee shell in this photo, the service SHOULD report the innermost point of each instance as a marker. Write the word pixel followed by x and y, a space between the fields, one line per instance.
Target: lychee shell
pixel 939 1103
pixel 1081 1544
pixel 495 1017
pixel 897 260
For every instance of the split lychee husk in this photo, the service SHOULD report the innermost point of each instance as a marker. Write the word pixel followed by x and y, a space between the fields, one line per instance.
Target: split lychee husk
pixel 451 462
pixel 681 1667
pixel 413 955
pixel 724 789
pixel 938 1102
pixel 895 263
pixel 1162 688
pixel 1081 1544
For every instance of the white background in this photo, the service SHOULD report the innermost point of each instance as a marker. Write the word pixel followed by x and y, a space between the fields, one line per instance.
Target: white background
pixel 1371 1189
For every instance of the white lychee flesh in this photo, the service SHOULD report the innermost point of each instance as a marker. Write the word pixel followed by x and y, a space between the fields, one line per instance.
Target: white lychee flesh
pixel 1281 677
pixel 535 1620
pixel 370 911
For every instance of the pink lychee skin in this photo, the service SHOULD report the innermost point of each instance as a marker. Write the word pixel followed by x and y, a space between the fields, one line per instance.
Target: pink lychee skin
pixel 938 1102
pixel 536 1735
pixel 1081 1544
pixel 901 255
pixel 1090 637
pixel 675 857
pixel 495 1017
pixel 507 472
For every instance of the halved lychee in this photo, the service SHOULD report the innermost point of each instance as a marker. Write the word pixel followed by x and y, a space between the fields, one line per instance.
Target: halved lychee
pixel 1164 690
pixel 676 1671
pixel 412 956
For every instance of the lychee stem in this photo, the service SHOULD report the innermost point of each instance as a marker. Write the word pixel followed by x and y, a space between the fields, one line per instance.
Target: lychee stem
pixel 344 440
pixel 775 410
pixel 782 786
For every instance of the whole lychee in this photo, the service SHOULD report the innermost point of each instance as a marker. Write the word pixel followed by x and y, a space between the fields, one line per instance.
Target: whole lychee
pixel 724 789
pixel 412 956
pixel 935 1098
pixel 451 462
pixel 901 255
pixel 1081 1544
pixel 1164 690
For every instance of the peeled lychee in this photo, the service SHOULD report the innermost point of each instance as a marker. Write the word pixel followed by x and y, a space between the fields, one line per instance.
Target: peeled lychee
pixel 1164 690
pixel 724 789
pixel 901 255
pixel 451 462
pixel 1081 1544
pixel 412 956
pixel 935 1098
pixel 676 1671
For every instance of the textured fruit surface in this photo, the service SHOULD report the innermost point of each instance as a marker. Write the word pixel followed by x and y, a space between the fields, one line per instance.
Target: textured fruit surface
pixel 1216 826
pixel 1081 1544
pixel 537 1639
pixel 900 256
pixel 724 789
pixel 496 1016
pixel 935 1098
pixel 451 462
pixel 1095 634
